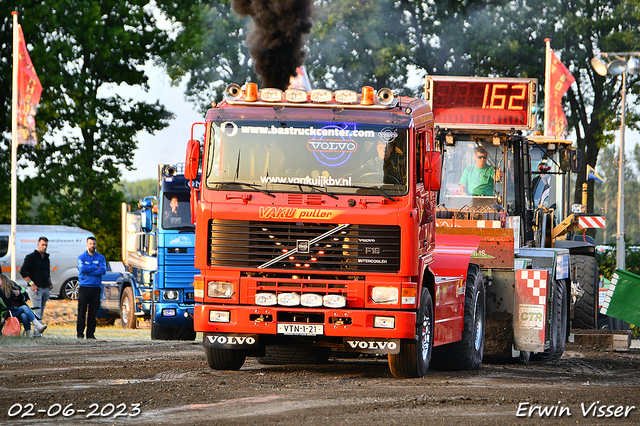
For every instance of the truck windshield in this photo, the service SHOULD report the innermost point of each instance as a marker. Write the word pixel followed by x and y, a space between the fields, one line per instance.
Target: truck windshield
pixel 468 176
pixel 544 178
pixel 176 211
pixel 340 158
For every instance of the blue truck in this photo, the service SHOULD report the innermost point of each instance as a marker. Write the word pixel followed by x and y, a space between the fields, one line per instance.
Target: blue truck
pixel 158 249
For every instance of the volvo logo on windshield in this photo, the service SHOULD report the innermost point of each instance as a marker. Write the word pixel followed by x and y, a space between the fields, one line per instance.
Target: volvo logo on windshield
pixel 387 134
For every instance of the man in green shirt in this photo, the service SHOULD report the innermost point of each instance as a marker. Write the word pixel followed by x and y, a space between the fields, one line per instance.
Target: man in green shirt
pixel 480 178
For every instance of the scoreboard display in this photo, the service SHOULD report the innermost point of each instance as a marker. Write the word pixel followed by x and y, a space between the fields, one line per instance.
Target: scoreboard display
pixel 482 102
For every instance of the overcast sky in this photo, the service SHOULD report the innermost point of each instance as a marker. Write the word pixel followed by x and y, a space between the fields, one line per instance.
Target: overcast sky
pixel 167 146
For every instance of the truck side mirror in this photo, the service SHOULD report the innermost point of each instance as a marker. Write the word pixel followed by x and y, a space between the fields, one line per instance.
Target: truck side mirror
pixel 565 159
pixel 576 160
pixel 433 170
pixel 193 160
pixel 146 215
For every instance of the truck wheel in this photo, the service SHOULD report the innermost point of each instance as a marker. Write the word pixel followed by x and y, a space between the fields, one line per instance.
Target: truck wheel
pixel 609 323
pixel 585 307
pixel 415 355
pixel 281 355
pixel 466 354
pixel 563 311
pixel 159 333
pixel 70 289
pixel 127 309
pixel 225 359
pixel 102 322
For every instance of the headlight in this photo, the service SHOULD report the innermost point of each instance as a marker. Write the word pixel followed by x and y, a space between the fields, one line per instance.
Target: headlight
pixel 220 289
pixel 384 322
pixel 387 295
pixel 168 312
pixel 170 295
pixel 289 299
pixel 266 299
pixel 578 208
pixel 219 316
pixel 311 300
pixel 334 301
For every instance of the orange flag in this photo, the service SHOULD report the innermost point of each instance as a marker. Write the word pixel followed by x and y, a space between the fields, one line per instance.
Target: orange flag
pixel 561 79
pixel 29 91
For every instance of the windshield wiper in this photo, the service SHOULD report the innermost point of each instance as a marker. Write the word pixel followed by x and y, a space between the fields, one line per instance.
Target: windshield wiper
pixel 380 190
pixel 317 189
pixel 250 185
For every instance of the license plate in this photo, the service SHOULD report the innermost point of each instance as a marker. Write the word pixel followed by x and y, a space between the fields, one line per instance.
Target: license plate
pixel 301 329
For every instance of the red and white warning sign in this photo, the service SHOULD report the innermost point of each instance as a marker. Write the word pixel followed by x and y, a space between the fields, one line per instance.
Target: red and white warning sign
pixel 591 222
pixel 531 309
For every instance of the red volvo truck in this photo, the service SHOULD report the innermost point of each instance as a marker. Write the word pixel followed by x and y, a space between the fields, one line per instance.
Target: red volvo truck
pixel 315 215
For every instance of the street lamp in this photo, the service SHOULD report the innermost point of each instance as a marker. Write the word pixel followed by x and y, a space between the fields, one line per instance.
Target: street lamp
pixel 619 63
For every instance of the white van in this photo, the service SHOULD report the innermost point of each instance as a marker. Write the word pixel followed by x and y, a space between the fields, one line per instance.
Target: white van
pixel 66 243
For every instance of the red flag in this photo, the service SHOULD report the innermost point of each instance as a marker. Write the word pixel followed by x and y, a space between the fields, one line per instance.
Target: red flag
pixel 561 79
pixel 29 91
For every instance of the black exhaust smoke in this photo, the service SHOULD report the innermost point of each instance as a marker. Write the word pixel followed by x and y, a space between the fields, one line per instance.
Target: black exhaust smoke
pixel 276 44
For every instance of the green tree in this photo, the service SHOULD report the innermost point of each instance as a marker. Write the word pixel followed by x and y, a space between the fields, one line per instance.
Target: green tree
pixel 606 197
pixel 357 43
pixel 138 189
pixel 507 39
pixel 82 50
pixel 210 38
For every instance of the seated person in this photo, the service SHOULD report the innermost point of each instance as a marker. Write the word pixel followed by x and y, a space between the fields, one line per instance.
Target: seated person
pixel 387 164
pixel 14 298
pixel 541 184
pixel 173 215
pixel 480 178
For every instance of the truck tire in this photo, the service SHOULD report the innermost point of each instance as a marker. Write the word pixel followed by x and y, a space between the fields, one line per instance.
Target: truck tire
pixel 466 354
pixel 225 359
pixel 415 355
pixel 70 289
pixel 102 322
pixel 563 311
pixel 159 333
pixel 127 309
pixel 294 354
pixel 606 322
pixel 585 308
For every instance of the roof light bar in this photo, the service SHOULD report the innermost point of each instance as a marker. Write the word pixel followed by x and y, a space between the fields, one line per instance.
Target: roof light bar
pixel 251 92
pixel 346 96
pixel 367 96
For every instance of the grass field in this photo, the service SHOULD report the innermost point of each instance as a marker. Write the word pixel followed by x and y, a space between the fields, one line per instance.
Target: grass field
pixel 112 332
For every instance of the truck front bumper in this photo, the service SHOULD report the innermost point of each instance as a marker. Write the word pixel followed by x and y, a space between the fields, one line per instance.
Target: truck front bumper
pixel 175 315
pixel 388 324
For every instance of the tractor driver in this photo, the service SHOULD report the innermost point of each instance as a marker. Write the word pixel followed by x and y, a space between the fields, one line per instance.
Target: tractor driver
pixel 480 178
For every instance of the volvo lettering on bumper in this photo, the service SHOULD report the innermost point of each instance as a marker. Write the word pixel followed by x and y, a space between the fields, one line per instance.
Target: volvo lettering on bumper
pixel 230 341
pixel 372 346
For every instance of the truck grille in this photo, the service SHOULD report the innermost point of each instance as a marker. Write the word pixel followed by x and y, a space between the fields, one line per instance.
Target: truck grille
pixel 179 269
pixel 363 248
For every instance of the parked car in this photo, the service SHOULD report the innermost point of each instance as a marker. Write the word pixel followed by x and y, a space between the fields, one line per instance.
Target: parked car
pixel 120 291
pixel 66 243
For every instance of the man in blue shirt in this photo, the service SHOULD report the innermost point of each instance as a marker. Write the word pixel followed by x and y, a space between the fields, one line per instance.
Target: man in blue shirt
pixel 91 267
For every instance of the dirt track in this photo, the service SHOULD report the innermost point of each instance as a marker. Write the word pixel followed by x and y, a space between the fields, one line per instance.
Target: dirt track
pixel 172 384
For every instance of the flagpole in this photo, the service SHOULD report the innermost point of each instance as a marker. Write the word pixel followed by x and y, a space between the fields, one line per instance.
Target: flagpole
pixel 14 146
pixel 547 85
